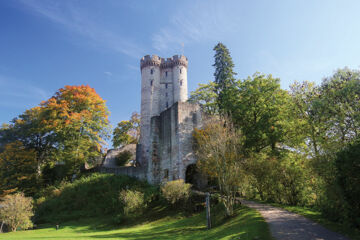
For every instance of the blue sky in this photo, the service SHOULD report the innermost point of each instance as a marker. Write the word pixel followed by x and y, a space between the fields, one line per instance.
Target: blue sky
pixel 45 45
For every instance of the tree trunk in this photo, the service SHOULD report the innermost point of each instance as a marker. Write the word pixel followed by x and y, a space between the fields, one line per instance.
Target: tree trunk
pixel 1 227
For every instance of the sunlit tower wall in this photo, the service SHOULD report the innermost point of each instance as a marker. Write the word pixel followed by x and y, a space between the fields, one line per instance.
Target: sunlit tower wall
pixel 150 99
pixel 163 83
pixel 179 70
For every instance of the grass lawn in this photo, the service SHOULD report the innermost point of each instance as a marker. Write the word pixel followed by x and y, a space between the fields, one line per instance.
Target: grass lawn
pixel 247 224
pixel 316 216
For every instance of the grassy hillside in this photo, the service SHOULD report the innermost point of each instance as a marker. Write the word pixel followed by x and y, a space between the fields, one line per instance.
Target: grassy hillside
pixel 90 208
pixel 90 196
pixel 247 224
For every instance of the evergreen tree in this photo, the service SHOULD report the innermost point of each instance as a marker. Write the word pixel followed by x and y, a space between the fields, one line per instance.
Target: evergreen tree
pixel 224 78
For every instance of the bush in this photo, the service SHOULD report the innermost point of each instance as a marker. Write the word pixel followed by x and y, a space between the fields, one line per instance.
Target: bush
pixel 123 158
pixel 16 211
pixel 133 201
pixel 176 191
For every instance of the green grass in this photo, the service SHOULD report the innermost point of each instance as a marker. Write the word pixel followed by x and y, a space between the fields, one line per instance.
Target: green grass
pixel 317 216
pixel 247 224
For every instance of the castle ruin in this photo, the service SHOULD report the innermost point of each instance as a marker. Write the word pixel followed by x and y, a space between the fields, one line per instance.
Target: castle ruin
pixel 164 152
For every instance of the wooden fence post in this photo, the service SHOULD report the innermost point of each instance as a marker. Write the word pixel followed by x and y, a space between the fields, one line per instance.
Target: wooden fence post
pixel 208 216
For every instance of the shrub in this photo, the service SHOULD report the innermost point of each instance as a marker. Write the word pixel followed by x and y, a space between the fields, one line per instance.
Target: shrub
pixel 16 211
pixel 133 201
pixel 176 191
pixel 123 158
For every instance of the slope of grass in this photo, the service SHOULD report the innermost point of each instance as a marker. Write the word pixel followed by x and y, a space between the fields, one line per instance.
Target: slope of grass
pixel 247 224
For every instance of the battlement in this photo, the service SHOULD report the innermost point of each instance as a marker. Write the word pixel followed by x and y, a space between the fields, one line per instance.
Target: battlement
pixel 174 61
pixel 148 60
pixel 155 60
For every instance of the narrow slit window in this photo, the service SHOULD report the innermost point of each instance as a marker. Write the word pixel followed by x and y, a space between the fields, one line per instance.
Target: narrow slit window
pixel 151 82
pixel 180 82
pixel 180 70
pixel 166 94
pixel 166 85
pixel 166 173
pixel 166 73
pixel 167 104
pixel 151 71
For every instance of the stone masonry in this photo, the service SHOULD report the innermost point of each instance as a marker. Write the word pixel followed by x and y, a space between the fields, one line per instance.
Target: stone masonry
pixel 167 121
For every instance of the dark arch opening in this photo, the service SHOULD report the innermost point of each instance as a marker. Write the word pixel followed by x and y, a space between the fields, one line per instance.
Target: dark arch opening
pixel 191 175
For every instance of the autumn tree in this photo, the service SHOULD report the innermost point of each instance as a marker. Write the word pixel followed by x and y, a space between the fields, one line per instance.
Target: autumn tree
pixel 78 119
pixel 16 211
pixel 220 156
pixel 127 132
pixel 17 169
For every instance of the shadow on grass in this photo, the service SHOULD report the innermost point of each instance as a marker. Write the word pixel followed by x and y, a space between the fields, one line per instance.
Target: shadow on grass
pixel 247 224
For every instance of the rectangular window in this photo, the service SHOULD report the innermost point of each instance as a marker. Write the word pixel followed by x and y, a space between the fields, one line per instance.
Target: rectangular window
pixel 151 71
pixel 167 104
pixel 180 70
pixel 166 85
pixel 166 94
pixel 151 82
pixel 166 173
pixel 180 82
pixel 166 73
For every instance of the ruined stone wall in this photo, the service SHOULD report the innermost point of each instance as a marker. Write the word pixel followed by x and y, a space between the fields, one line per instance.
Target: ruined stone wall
pixel 171 136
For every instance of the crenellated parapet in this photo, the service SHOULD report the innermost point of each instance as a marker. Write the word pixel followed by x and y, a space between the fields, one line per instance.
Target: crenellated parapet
pixel 176 60
pixel 148 60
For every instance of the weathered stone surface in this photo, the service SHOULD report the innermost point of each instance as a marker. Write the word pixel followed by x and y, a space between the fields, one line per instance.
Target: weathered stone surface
pixel 109 161
pixel 167 122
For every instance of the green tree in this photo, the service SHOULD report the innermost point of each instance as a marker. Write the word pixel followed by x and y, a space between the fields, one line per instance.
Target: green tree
pixel 17 169
pixel 16 211
pixel 205 95
pixel 225 83
pixel 220 156
pixel 261 110
pixel 347 165
pixel 127 132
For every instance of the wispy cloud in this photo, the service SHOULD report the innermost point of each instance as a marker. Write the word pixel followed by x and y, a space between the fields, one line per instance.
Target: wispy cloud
pixel 108 74
pixel 73 18
pixel 14 92
pixel 201 21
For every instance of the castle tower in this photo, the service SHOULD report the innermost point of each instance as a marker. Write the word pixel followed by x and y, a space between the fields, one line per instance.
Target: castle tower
pixel 150 99
pixel 180 78
pixel 163 83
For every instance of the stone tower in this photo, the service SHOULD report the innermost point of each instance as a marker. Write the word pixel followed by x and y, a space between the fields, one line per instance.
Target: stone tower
pixel 165 149
pixel 163 83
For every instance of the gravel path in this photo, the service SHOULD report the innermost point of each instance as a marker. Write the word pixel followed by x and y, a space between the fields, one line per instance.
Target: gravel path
pixel 285 225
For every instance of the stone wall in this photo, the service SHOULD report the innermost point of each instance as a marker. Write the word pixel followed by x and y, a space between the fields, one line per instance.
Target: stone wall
pixel 171 142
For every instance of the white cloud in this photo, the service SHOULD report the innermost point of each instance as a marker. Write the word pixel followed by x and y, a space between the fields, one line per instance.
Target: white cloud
pixel 108 74
pixel 75 19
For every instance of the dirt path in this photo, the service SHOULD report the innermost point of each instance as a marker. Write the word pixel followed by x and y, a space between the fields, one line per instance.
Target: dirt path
pixel 285 225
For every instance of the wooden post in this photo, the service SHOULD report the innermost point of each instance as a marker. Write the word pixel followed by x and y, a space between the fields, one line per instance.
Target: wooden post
pixel 208 216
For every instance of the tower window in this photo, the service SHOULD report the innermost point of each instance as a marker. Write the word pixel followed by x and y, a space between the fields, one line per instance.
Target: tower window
pixel 152 71
pixel 151 82
pixel 167 104
pixel 166 94
pixel 166 73
pixel 180 82
pixel 166 85
pixel 166 173
pixel 180 70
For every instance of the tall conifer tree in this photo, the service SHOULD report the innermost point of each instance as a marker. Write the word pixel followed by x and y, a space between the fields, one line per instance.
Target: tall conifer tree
pixel 224 77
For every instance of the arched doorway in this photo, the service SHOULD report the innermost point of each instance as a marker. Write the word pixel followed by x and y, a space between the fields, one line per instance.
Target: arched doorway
pixel 191 174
